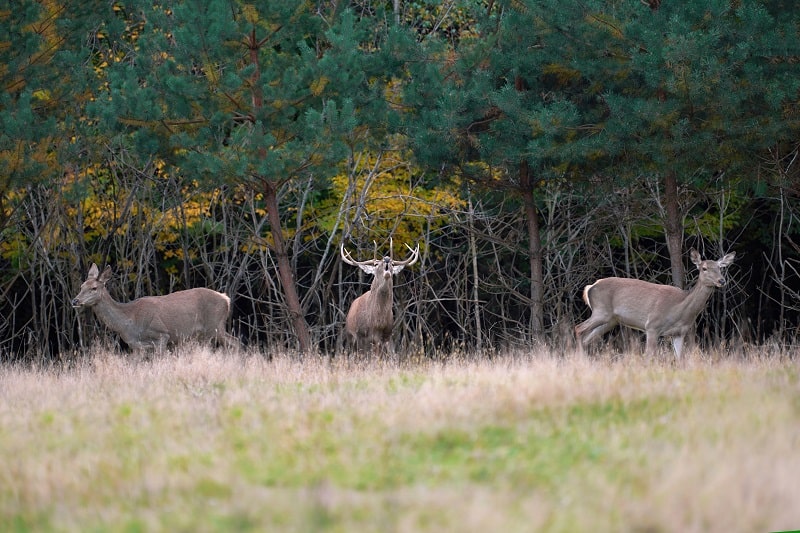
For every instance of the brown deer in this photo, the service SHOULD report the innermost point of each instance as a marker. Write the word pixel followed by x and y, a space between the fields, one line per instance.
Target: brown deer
pixel 156 321
pixel 658 310
pixel 370 320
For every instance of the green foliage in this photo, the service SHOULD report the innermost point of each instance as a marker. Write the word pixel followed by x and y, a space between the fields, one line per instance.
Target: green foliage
pixel 26 123
pixel 226 114
pixel 694 88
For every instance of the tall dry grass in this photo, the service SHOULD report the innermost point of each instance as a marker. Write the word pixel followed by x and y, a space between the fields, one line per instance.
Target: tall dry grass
pixel 208 441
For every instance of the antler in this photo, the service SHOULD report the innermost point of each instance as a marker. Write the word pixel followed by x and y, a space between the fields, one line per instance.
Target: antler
pixel 411 260
pixel 347 258
pixel 397 265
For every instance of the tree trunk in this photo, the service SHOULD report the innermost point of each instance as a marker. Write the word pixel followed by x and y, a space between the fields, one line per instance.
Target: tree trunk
pixel 285 270
pixel 476 303
pixel 535 253
pixel 673 228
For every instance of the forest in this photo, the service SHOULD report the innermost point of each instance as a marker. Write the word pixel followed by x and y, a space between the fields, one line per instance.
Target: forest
pixel 529 147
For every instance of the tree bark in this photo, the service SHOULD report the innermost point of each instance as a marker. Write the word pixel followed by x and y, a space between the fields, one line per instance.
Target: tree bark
pixel 535 250
pixel 285 269
pixel 476 303
pixel 673 228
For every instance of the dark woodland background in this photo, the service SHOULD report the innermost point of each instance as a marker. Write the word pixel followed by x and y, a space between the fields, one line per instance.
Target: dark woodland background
pixel 529 147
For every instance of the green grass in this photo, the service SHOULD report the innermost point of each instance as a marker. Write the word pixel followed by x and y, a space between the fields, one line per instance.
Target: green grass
pixel 204 441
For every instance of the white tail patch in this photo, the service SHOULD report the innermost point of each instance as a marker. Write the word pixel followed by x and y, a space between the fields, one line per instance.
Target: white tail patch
pixel 586 295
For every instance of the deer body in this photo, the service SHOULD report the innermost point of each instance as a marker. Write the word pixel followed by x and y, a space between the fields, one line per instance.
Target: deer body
pixel 156 321
pixel 658 310
pixel 370 320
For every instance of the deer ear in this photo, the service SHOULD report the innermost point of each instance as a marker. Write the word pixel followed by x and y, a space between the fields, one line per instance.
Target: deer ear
pixel 93 272
pixel 695 255
pixel 727 260
pixel 397 268
pixel 106 275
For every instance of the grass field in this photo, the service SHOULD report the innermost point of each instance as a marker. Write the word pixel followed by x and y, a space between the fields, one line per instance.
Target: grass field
pixel 204 441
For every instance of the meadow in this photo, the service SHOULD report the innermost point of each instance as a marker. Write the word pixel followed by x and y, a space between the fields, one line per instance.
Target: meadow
pixel 524 441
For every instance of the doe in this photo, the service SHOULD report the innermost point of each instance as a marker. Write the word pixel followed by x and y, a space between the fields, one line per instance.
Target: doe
pixel 155 321
pixel 658 310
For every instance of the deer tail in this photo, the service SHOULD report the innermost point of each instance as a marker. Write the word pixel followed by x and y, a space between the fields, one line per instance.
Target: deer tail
pixel 586 290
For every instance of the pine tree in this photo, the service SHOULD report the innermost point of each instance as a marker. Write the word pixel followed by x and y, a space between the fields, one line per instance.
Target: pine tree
pixel 30 95
pixel 481 112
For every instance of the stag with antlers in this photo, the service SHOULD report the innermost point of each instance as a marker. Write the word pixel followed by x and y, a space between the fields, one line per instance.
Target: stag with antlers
pixel 370 320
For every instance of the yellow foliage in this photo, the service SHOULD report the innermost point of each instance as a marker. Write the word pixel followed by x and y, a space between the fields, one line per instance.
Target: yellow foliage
pixel 250 13
pixel 318 85
pixel 102 208
pixel 42 94
pixel 385 196
pixel 395 202
pixel 562 73
pixel 606 23
pixel 212 73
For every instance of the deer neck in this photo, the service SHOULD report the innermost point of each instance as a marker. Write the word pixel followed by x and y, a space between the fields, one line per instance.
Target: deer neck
pixel 382 288
pixel 696 298
pixel 112 313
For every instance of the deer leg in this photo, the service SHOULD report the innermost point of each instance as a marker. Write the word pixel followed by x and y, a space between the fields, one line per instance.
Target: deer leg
pixel 651 343
pixel 393 354
pixel 161 343
pixel 580 329
pixel 363 344
pixel 225 339
pixel 677 344
pixel 139 346
pixel 596 327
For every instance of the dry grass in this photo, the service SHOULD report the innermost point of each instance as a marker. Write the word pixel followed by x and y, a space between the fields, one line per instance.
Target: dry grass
pixel 203 441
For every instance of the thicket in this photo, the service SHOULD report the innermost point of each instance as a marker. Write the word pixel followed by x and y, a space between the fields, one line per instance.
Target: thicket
pixel 529 147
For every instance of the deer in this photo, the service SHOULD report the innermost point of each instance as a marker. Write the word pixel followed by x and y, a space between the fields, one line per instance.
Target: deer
pixel 370 320
pixel 658 310
pixel 154 322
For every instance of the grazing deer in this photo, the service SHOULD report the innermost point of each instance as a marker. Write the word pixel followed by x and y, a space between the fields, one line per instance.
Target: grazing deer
pixel 658 310
pixel 370 321
pixel 155 321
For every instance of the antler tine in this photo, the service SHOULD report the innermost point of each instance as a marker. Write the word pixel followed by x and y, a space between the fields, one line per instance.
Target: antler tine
pixel 414 256
pixel 346 257
pixel 391 253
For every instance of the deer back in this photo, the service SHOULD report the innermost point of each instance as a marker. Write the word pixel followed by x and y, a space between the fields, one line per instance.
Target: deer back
pixel 184 314
pixel 633 302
